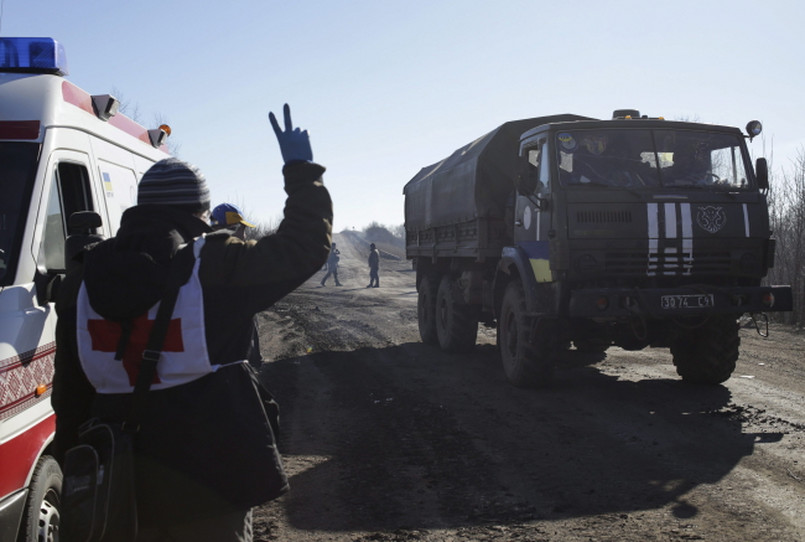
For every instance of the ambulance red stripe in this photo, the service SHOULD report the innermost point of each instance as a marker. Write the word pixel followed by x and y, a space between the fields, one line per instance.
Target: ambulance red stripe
pixel 19 129
pixel 82 99
pixel 18 454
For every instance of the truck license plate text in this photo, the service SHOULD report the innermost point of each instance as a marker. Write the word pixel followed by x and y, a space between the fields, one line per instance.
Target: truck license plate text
pixel 688 301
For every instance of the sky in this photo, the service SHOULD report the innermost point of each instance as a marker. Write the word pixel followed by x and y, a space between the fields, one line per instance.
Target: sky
pixel 387 87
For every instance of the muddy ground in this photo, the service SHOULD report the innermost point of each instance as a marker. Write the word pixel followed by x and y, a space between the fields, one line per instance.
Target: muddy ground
pixel 386 439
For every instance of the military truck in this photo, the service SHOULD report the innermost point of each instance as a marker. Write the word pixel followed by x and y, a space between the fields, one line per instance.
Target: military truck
pixel 570 234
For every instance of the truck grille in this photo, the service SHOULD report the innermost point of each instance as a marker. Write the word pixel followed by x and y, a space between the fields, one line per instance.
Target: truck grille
pixel 668 262
pixel 604 217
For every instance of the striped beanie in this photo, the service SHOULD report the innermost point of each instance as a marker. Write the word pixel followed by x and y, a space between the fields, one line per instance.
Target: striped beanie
pixel 173 182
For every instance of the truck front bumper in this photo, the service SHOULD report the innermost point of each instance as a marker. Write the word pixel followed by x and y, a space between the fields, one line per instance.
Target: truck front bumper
pixel 699 300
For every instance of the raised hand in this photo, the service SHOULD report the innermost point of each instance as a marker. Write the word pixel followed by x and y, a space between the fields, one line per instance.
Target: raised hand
pixel 294 142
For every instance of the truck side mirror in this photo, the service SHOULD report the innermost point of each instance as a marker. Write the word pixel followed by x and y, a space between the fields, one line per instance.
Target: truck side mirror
pixel 762 173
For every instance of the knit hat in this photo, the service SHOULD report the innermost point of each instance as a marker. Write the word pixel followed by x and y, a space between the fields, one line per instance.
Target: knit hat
pixel 226 214
pixel 174 182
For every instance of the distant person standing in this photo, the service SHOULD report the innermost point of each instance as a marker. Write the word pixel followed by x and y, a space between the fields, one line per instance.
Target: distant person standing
pixel 332 265
pixel 374 267
pixel 228 216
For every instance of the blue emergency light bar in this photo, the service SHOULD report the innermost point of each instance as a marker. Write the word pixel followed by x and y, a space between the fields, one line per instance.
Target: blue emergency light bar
pixel 32 55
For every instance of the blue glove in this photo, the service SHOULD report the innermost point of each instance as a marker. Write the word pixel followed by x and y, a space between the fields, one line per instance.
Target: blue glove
pixel 294 143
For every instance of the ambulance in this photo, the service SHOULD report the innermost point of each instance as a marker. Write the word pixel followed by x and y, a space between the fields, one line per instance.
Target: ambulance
pixel 62 151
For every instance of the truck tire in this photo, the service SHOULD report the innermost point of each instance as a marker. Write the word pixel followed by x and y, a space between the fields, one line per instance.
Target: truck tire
pixel 707 354
pixel 456 323
pixel 526 364
pixel 426 310
pixel 40 522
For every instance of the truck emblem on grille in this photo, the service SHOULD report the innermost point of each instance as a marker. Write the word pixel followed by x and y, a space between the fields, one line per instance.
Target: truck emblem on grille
pixel 711 219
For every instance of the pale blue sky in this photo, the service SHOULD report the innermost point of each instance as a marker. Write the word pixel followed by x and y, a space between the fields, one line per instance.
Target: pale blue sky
pixel 387 87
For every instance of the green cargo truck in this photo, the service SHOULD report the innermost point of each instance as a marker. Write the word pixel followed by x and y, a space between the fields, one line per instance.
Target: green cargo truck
pixel 572 233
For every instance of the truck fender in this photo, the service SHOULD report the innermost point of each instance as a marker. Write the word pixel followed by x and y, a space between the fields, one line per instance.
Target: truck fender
pixel 514 265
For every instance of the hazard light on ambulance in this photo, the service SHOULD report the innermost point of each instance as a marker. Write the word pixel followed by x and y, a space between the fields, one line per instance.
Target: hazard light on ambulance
pixel 32 55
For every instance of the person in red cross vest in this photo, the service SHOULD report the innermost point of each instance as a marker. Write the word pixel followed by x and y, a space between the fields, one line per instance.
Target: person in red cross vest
pixel 196 433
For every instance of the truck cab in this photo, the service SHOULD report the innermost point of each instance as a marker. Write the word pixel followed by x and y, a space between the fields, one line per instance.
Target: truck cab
pixel 644 203
pixel 62 152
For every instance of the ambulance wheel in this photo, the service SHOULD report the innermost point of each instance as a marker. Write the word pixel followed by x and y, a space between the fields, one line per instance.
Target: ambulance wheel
pixel 426 310
pixel 456 322
pixel 707 354
pixel 527 364
pixel 40 522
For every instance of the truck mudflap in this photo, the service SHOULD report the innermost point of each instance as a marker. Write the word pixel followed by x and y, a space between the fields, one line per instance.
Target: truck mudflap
pixel 678 302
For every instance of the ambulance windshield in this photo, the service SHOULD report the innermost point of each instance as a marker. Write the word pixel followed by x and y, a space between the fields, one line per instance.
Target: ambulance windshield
pixel 17 170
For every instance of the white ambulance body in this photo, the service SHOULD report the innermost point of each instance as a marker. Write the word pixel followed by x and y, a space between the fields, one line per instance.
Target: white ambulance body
pixel 61 151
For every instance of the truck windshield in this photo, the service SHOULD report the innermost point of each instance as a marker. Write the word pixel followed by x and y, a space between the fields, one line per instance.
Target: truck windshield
pixel 17 170
pixel 633 158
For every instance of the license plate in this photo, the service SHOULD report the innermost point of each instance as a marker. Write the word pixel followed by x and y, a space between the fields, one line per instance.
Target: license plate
pixel 687 301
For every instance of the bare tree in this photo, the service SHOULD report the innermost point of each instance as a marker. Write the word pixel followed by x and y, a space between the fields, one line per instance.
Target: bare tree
pixel 132 111
pixel 787 216
pixel 262 229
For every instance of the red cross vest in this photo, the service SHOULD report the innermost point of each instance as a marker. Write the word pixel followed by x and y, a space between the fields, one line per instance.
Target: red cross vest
pixel 184 355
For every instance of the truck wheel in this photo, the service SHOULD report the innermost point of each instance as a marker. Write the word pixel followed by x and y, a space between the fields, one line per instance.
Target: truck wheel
pixel 40 522
pixel 525 364
pixel 426 310
pixel 456 323
pixel 707 354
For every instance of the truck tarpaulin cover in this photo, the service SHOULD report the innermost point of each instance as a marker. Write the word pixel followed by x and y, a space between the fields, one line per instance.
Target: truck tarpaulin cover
pixel 473 182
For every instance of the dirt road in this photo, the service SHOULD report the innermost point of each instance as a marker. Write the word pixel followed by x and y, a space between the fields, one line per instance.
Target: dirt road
pixel 386 439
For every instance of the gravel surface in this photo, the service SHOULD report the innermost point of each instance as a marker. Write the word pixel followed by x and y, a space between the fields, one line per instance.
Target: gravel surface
pixel 386 439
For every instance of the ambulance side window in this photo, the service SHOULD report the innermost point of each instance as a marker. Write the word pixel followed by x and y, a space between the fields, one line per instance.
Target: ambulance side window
pixel 69 192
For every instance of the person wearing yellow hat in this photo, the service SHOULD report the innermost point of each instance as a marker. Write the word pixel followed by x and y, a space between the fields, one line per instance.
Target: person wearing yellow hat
pixel 229 216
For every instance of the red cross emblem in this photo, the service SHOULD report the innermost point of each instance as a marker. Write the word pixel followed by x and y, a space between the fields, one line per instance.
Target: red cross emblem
pixel 105 336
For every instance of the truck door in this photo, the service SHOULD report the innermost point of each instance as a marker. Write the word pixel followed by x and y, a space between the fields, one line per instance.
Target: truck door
pixel 531 222
pixel 532 210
